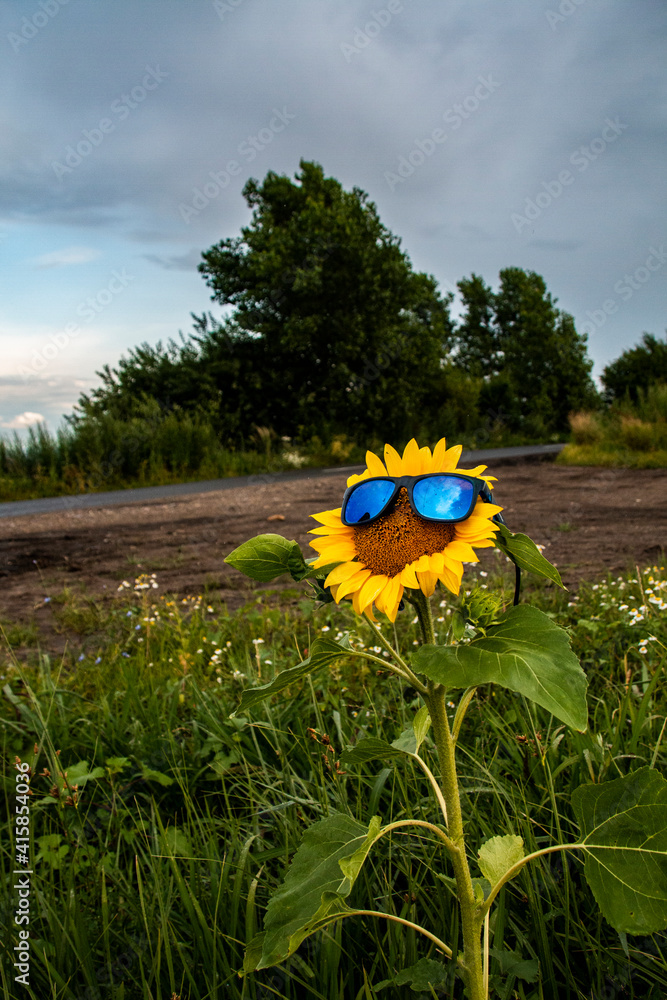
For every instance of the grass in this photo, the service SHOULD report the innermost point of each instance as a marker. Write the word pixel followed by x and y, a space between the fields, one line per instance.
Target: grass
pixel 627 435
pixel 152 875
pixel 156 447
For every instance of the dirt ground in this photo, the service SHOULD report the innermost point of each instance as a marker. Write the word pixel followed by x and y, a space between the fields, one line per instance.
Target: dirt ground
pixel 590 520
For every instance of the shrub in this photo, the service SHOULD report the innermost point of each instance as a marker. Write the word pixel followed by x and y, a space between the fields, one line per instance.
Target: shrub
pixel 586 428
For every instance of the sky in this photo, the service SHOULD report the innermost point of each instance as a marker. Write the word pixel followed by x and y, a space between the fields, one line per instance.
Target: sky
pixel 489 135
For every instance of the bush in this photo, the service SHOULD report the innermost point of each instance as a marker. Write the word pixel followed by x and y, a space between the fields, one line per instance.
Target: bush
pixel 637 434
pixel 586 428
pixel 628 434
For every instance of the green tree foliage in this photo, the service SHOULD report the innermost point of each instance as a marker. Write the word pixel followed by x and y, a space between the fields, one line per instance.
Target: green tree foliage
pixel 533 362
pixel 636 369
pixel 346 336
pixel 212 373
pixel 331 331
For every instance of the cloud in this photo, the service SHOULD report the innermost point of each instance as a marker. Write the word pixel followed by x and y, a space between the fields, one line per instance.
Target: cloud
pixel 67 256
pixel 179 262
pixel 26 419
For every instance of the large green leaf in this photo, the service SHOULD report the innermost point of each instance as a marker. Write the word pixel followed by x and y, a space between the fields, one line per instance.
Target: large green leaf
pixel 624 827
pixel 525 652
pixel 372 748
pixel 523 551
pixel 323 652
pixel 498 855
pixel 267 556
pixel 319 880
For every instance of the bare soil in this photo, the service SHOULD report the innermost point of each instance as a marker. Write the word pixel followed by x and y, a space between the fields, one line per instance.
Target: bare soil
pixel 590 520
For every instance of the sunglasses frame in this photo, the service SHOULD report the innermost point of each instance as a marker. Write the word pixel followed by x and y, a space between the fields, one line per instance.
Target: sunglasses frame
pixel 480 488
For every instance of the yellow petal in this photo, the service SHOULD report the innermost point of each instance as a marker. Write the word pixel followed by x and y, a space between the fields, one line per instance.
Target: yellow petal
pixel 425 459
pixel 332 530
pixel 439 455
pixel 352 584
pixel 388 600
pixel 331 517
pixel 487 509
pixel 392 606
pixel 342 572
pixel 454 567
pixel 408 577
pixel 393 461
pixel 335 551
pixel 371 589
pixel 427 582
pixel 473 526
pixel 411 459
pixel 437 561
pixel 375 466
pixel 473 472
pixel 452 456
pixel 356 478
pixel 450 581
pixel 423 564
pixel 458 549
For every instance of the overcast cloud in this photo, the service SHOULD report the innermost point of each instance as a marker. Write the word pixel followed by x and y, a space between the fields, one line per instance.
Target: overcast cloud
pixel 489 135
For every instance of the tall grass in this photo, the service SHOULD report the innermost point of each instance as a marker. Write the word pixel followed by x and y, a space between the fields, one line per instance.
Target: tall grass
pixel 107 452
pixel 630 434
pixel 150 878
pixel 100 452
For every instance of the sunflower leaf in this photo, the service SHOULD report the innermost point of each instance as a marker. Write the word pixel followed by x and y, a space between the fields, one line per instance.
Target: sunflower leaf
pixel 265 557
pixel 320 878
pixel 370 748
pixel 624 833
pixel 523 551
pixel 525 652
pixel 323 653
pixel 498 855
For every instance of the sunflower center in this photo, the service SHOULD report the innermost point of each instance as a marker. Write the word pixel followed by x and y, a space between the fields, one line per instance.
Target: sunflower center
pixel 400 537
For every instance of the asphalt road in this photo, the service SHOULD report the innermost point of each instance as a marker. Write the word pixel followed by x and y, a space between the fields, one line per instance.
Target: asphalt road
pixel 48 505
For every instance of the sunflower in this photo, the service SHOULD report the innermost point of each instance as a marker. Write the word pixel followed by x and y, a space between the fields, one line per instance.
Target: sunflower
pixel 376 562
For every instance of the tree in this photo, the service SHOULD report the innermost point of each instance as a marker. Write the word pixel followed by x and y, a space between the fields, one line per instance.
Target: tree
pixel 347 336
pixel 534 363
pixel 213 372
pixel 636 369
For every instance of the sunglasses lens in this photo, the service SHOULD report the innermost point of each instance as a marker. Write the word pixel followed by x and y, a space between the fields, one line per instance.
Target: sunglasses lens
pixel 444 498
pixel 367 501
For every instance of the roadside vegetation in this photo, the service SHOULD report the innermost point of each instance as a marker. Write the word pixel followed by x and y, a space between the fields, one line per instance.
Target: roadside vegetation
pixel 160 825
pixel 631 434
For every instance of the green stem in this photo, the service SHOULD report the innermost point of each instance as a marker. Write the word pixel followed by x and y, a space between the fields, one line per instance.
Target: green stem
pixel 400 823
pixel 387 916
pixel 471 919
pixel 422 606
pixel 405 669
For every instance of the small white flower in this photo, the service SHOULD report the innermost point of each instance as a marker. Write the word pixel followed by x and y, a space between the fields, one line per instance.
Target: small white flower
pixel 325 628
pixel 256 642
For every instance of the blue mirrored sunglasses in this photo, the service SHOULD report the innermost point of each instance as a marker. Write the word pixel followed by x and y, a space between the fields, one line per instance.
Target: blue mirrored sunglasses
pixel 436 496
